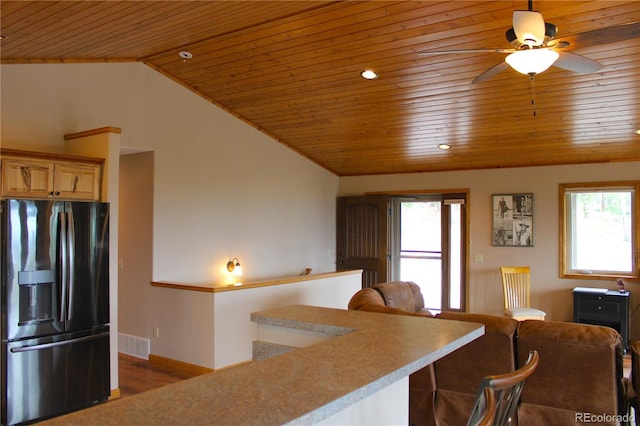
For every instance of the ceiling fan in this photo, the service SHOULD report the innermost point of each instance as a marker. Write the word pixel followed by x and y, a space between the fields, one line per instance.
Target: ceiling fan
pixel 535 48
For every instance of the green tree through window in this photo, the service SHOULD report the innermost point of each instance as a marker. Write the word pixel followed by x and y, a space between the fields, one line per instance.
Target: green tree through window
pixel 599 230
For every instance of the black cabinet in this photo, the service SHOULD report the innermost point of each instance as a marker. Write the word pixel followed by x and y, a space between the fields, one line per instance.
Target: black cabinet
pixel 603 307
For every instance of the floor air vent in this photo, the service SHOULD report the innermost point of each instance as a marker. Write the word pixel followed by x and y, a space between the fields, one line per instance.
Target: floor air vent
pixel 133 345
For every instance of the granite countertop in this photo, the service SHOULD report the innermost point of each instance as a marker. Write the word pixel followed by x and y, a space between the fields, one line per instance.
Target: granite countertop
pixel 303 386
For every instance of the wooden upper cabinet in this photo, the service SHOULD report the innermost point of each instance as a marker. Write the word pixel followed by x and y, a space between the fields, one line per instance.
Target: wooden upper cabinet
pixel 74 181
pixel 26 178
pixel 60 178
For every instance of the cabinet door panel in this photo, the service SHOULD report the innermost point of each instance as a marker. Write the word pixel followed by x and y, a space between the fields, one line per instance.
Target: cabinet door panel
pixel 77 181
pixel 26 178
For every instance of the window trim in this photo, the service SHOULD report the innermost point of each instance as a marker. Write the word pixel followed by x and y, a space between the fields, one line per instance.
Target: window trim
pixel 565 271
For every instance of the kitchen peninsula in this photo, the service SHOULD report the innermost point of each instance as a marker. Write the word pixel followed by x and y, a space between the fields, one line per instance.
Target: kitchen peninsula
pixel 308 385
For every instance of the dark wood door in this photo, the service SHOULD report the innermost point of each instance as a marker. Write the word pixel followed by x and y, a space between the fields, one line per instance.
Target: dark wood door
pixel 363 237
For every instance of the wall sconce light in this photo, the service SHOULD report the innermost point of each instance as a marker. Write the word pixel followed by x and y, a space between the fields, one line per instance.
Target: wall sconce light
pixel 234 267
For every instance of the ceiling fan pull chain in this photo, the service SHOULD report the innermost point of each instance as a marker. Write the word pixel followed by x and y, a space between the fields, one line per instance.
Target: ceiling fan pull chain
pixel 533 95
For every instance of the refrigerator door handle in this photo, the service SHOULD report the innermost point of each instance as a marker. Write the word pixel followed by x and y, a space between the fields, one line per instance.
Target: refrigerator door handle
pixel 71 244
pixel 61 343
pixel 63 265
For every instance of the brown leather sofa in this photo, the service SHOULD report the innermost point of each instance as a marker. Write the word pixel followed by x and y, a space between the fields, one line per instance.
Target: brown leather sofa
pixel 579 378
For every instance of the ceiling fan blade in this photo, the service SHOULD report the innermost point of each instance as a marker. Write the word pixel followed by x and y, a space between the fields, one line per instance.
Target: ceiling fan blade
pixel 577 63
pixel 445 52
pixel 494 70
pixel 604 35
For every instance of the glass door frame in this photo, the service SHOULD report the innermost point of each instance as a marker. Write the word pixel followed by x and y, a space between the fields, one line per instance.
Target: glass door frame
pixel 446 199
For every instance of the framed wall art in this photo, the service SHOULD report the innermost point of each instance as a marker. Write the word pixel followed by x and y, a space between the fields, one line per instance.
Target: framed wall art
pixel 512 220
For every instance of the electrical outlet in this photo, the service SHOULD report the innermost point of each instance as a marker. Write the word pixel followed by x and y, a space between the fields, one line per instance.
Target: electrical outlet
pixel 156 332
pixel 120 263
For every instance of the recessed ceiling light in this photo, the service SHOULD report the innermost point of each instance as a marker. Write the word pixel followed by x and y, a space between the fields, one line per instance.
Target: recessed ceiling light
pixel 2 37
pixel 638 131
pixel 444 146
pixel 185 55
pixel 369 74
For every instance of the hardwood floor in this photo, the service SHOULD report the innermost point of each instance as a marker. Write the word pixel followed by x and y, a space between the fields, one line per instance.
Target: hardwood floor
pixel 137 375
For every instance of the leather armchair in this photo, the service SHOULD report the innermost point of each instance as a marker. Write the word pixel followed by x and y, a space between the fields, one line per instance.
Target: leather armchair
pixel 579 374
pixel 403 298
pixel 394 297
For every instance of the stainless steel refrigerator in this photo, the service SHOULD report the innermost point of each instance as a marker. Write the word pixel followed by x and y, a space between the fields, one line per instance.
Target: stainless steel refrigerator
pixel 54 307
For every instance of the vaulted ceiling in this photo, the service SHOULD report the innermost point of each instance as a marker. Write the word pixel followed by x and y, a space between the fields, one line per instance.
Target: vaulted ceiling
pixel 292 70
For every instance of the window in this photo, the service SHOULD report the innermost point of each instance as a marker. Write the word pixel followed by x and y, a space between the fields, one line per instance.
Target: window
pixel 599 230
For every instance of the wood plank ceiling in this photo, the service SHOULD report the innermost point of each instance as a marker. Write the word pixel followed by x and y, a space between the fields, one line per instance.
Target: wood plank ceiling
pixel 291 69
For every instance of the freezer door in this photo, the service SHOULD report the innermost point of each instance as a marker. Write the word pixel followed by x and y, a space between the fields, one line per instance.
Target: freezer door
pixel 30 279
pixel 54 375
pixel 88 265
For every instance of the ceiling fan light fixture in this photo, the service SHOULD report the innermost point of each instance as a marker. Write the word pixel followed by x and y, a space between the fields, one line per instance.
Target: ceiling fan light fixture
pixel 532 61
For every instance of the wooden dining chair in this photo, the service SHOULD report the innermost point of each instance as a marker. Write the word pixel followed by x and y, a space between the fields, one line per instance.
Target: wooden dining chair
pixel 507 389
pixel 516 285
pixel 484 412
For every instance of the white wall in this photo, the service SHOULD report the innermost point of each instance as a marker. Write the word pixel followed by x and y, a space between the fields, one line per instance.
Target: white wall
pixel 221 189
pixel 234 344
pixel 550 293
pixel 136 244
